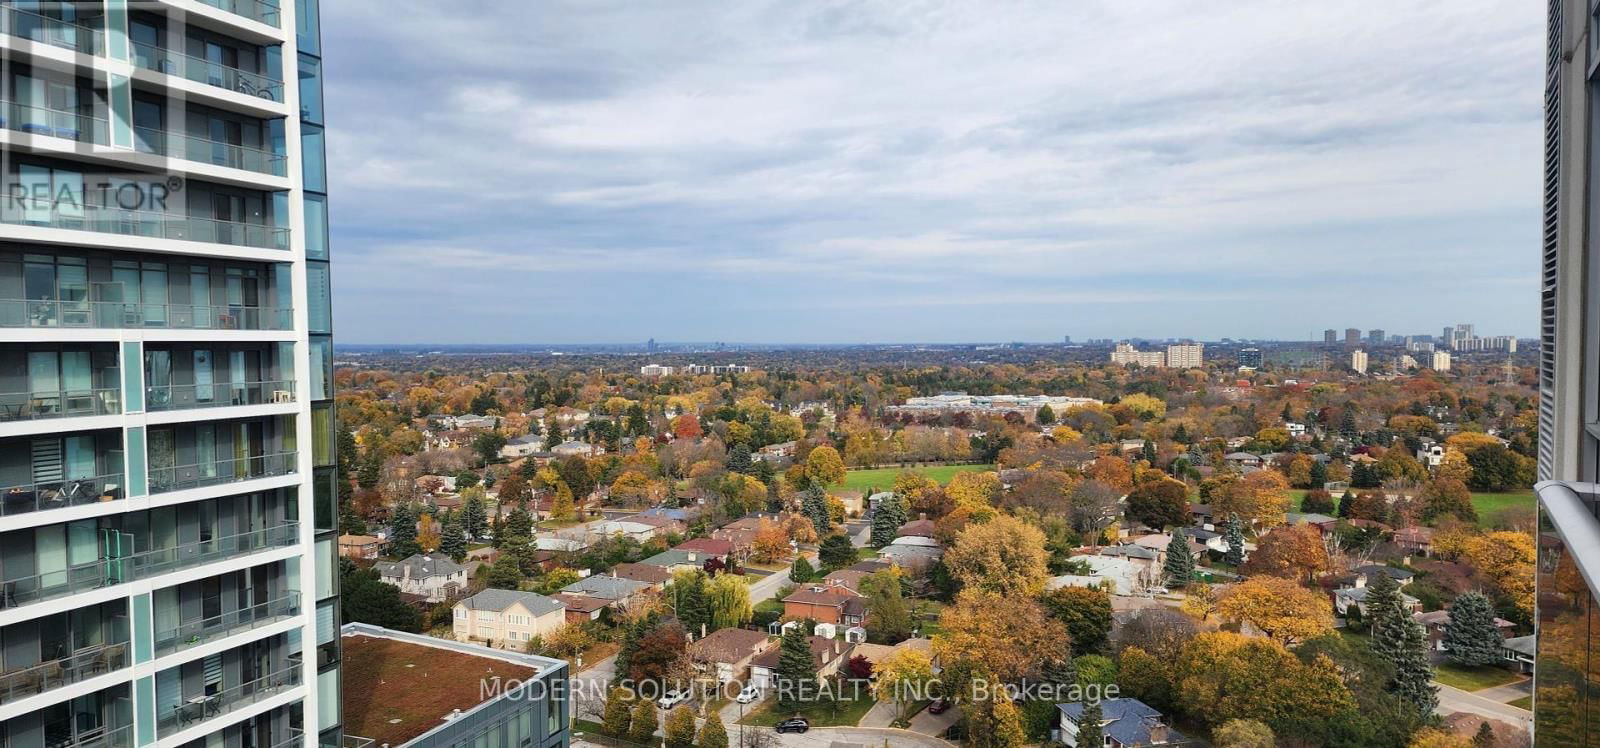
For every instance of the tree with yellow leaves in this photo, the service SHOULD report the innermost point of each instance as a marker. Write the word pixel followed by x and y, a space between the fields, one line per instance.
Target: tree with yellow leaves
pixel 428 533
pixel 1280 608
pixel 1454 465
pixel 1433 737
pixel 976 491
pixel 902 676
pixel 1005 556
pixel 1506 559
pixel 1010 636
pixel 824 467
pixel 1148 407
pixel 1220 676
pixel 1261 497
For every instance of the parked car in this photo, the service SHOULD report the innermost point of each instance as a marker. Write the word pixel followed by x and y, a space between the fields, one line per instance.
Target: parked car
pixel 674 698
pixel 749 694
pixel 939 706
pixel 793 724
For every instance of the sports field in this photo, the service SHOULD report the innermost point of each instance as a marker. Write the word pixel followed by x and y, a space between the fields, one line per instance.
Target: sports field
pixel 883 478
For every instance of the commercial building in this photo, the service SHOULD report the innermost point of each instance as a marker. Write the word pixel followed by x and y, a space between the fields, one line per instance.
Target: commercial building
pixel 1441 361
pixel 1249 358
pixel 1358 361
pixel 1125 354
pixel 1375 337
pixel 1186 355
pixel 1565 692
pixel 168 552
pixel 1352 337
pixel 1330 337
pixel 416 691
pixel 961 402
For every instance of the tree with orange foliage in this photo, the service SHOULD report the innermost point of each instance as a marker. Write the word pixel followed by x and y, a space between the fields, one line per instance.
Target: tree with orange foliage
pixel 1261 497
pixel 1290 552
pixel 428 533
pixel 1280 608
pixel 1112 471
pixel 770 542
pixel 686 427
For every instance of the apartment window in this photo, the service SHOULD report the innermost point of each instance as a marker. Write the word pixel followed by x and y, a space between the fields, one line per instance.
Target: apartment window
pixel 308 26
pixel 327 699
pixel 321 353
pixel 313 159
pixel 323 495
pixel 325 566
pixel 316 218
pixel 322 435
pixel 318 289
pixel 310 89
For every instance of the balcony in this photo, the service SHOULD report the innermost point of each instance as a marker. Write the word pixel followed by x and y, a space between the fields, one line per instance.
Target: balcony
pixel 33 406
pixel 221 472
pixel 60 494
pixel 53 31
pixel 121 315
pixel 220 395
pixel 202 708
pixel 82 127
pixel 49 212
pixel 79 666
pixel 199 70
pixel 109 571
pixel 199 632
pixel 255 10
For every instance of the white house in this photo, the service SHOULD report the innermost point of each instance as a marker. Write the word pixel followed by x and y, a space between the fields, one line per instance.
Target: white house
pixel 507 618
pixel 435 578
pixel 522 446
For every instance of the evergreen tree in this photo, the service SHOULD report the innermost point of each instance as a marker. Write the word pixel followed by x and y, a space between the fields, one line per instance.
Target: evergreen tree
pixel 814 505
pixel 1179 567
pixel 693 607
pixel 618 713
pixel 712 733
pixel 552 436
pixel 562 508
pixel 474 518
pixel 801 571
pixel 886 520
pixel 1060 672
pixel 643 722
pixel 836 552
pixel 403 540
pixel 1090 732
pixel 1383 596
pixel 1181 434
pixel 630 644
pixel 1148 454
pixel 1045 415
pixel 1235 537
pixel 1413 673
pixel 1484 737
pixel 680 727
pixel 1344 503
pixel 518 524
pixel 1347 424
pixel 1471 638
pixel 739 459
pixel 453 541
pixel 797 671
pixel 370 470
pixel 1319 474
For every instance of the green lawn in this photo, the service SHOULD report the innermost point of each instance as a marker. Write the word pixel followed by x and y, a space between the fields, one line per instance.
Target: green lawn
pixel 883 478
pixel 1489 505
pixel 1525 702
pixel 1473 678
pixel 845 710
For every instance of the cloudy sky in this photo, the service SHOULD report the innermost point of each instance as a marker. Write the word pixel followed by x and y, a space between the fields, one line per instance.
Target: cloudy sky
pixel 511 171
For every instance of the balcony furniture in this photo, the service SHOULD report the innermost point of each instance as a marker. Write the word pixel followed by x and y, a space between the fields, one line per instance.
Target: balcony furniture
pixel 12 412
pixel 19 501
pixel 282 396
pixel 110 658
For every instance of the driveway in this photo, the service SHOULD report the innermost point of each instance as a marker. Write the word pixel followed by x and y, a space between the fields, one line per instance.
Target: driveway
pixel 768 586
pixel 588 688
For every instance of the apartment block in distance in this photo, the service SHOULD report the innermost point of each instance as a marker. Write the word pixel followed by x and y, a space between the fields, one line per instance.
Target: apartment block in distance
pixel 167 552
pixel 1186 355
pixel 1566 693
pixel 1125 354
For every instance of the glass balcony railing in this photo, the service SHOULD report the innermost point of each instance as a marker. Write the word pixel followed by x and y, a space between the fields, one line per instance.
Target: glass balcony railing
pixel 32 406
pixel 153 563
pixel 199 709
pixel 65 734
pixel 73 668
pixel 119 315
pixel 53 31
pixel 199 632
pixel 59 494
pixel 296 737
pixel 255 10
pixel 83 127
pixel 58 212
pixel 223 394
pixel 57 123
pixel 204 71
pixel 218 472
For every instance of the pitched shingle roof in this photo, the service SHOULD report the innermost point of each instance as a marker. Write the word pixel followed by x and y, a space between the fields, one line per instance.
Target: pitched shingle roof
pixel 421 567
pixel 498 600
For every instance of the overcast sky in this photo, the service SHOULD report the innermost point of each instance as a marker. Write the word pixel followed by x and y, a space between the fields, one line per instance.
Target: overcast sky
pixel 512 171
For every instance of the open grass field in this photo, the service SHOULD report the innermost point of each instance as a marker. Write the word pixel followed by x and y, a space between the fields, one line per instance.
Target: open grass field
pixel 1489 505
pixel 845 709
pixel 1473 678
pixel 883 478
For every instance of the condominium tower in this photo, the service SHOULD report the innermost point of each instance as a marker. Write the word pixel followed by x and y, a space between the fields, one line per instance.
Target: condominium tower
pixel 167 494
pixel 1566 693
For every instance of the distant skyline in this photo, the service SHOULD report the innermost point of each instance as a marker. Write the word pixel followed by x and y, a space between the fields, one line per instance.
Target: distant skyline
pixel 843 173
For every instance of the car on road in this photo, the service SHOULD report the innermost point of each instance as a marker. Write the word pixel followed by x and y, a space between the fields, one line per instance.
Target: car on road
pixel 793 724
pixel 748 694
pixel 674 698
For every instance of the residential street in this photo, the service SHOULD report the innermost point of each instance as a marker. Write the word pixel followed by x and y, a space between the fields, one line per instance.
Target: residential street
pixel 871 737
pixel 1453 700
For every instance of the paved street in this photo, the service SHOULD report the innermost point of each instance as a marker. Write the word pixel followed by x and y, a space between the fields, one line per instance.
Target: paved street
pixel 768 586
pixel 1452 700
pixel 589 686
pixel 870 737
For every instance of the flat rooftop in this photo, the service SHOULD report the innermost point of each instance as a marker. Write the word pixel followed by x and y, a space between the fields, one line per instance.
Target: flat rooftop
pixel 395 690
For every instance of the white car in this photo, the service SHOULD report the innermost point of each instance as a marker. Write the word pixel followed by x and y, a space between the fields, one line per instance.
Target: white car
pixel 674 698
pixel 749 694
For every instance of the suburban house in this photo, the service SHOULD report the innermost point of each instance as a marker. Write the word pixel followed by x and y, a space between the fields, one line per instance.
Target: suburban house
pixel 581 608
pixel 360 547
pixel 1124 576
pixel 876 653
pixel 1365 575
pixel 918 528
pixel 727 653
pixel 774 451
pixel 831 603
pixel 618 591
pixel 1435 622
pixel 575 448
pixel 522 446
pixel 1345 597
pixel 1517 652
pixel 1415 540
pixel 655 576
pixel 507 618
pixel 827 654
pixel 639 531
pixel 847 578
pixel 675 560
pixel 1160 542
pixel 433 578
pixel 1124 722
pixel 1242 459
pixel 854 502
pixel 706 547
pixel 664 525
pixel 912 553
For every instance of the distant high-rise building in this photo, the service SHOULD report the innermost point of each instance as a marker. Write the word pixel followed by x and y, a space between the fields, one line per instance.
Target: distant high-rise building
pixel 650 345
pixel 1449 335
pixel 1066 340
pixel 1330 337
pixel 1352 336
pixel 1358 361
pixel 1406 362
pixel 1441 361
pixel 1125 354
pixel 1185 355
pixel 1250 358
pixel 1375 337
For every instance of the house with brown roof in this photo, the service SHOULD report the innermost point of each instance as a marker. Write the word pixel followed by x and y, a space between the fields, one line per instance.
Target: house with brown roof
pixel 656 576
pixel 706 546
pixel 581 608
pixel 360 547
pixel 921 528
pixel 847 578
pixel 827 603
pixel 1435 622
pixel 727 653
pixel 827 654
pixel 1415 540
